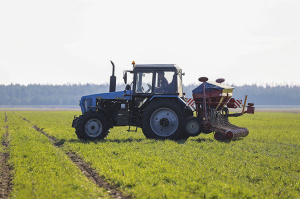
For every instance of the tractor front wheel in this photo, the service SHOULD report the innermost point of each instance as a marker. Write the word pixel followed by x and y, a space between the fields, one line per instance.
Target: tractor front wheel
pixel 92 126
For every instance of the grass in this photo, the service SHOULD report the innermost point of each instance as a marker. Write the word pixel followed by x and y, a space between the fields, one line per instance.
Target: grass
pixel 2 148
pixel 41 170
pixel 265 164
pixel 2 130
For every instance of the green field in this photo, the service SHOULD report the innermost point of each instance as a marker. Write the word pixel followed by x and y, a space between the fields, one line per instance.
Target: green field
pixel 265 164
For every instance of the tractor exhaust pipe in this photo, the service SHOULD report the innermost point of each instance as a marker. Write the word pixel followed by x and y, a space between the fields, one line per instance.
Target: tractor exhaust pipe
pixel 113 80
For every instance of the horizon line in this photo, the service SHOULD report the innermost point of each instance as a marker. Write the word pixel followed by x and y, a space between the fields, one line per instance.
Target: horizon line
pixel 120 84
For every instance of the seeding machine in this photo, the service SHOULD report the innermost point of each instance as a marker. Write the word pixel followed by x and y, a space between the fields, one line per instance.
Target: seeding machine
pixel 212 100
pixel 155 102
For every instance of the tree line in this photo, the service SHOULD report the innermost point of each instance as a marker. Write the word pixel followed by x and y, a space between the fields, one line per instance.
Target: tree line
pixel 36 94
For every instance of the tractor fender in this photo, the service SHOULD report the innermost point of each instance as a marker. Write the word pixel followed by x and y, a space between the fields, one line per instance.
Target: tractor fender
pixel 157 97
pixel 105 113
pixel 169 96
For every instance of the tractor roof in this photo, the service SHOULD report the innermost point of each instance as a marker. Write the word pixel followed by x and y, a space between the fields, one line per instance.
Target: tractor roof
pixel 156 66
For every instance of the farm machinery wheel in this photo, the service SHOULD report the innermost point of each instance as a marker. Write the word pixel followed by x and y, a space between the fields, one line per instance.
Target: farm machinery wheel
pixel 193 126
pixel 164 119
pixel 92 126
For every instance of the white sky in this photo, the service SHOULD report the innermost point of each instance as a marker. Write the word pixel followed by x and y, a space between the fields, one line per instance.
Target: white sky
pixel 64 41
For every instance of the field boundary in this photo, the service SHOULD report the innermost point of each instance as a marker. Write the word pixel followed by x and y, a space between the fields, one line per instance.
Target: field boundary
pixel 86 169
pixel 6 182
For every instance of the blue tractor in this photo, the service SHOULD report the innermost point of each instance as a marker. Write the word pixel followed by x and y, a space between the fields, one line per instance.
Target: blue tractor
pixel 153 101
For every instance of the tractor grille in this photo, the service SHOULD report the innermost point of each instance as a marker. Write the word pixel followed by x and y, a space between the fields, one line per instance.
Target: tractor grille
pixel 85 103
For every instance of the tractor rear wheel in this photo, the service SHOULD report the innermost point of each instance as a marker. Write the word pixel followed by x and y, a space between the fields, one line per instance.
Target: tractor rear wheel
pixel 164 119
pixel 92 126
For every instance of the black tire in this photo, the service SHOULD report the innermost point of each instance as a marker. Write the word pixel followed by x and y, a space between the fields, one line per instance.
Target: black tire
pixel 164 119
pixel 92 126
pixel 193 126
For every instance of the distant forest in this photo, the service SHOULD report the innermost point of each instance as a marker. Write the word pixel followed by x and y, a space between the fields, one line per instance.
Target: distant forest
pixel 36 94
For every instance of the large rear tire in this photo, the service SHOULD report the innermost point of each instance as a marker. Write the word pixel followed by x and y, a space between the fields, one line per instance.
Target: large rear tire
pixel 92 126
pixel 164 119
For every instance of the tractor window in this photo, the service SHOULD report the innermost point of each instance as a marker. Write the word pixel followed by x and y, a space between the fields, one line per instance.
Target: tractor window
pixel 143 82
pixel 179 86
pixel 165 82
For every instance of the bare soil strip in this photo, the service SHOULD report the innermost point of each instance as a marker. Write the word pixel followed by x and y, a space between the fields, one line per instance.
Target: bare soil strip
pixel 89 172
pixel 51 138
pixel 5 120
pixel 95 178
pixel 5 170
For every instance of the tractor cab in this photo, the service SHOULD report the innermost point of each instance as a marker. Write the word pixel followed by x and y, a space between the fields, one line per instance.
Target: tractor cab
pixel 155 79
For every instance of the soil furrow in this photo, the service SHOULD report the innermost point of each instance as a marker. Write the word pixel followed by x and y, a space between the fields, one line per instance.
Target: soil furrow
pixel 51 138
pixel 5 120
pixel 5 170
pixel 94 176
pixel 86 169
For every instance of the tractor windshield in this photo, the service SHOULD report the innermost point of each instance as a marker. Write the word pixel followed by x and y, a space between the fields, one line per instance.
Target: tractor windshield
pixel 144 82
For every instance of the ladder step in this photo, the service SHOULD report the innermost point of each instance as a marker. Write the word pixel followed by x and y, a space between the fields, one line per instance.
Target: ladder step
pixel 134 124
pixel 132 130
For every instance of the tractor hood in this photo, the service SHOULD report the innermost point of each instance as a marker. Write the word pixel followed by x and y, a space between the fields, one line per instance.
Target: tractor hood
pixel 119 95
pixel 90 100
pixel 211 86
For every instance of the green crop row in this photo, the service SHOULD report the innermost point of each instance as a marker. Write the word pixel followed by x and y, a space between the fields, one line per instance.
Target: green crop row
pixel 265 164
pixel 2 148
pixel 2 129
pixel 41 170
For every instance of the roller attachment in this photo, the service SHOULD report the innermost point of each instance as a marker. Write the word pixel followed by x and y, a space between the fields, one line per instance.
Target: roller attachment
pixel 236 133
pixel 219 136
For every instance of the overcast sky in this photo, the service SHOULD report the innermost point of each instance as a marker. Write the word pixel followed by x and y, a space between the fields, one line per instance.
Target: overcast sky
pixel 64 41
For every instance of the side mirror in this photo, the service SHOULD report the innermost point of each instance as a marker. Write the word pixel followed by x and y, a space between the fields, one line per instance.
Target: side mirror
pixel 125 77
pixel 127 88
